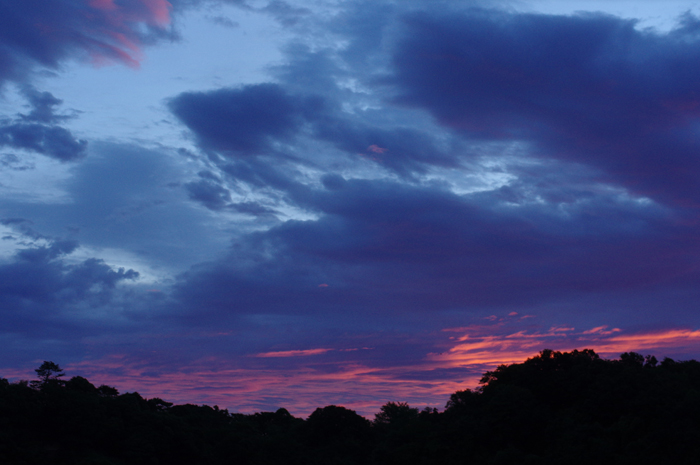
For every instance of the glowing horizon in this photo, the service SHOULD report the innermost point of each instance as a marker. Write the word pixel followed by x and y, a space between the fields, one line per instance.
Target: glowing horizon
pixel 353 384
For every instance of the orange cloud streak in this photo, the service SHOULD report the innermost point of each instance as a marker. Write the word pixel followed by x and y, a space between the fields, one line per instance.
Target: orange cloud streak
pixel 474 348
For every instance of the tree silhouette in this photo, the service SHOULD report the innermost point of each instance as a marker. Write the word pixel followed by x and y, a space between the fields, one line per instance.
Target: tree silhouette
pixel 333 422
pixel 48 373
pixel 395 413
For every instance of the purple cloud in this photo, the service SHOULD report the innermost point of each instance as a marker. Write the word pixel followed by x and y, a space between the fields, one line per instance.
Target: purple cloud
pixel 387 248
pixel 586 88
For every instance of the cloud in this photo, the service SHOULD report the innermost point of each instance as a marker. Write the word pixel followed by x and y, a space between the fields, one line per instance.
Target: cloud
pixel 587 88
pixel 53 141
pixel 38 280
pixel 39 131
pixel 390 248
pixel 45 254
pixel 242 121
pixel 54 296
pixel 293 353
pixel 36 33
pixel 252 208
pixel 285 13
pixel 209 192
pixel 224 21
pixel 304 117
pixel 493 344
pixel 42 104
pixel 24 226
pixel 127 202
pixel 399 149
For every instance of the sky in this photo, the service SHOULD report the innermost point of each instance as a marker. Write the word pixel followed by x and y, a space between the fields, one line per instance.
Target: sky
pixel 260 204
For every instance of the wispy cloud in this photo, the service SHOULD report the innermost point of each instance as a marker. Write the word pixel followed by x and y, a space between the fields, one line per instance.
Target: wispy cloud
pixel 35 32
pixel 292 353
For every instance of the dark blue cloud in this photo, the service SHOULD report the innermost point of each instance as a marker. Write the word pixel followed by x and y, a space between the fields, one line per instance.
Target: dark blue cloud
pixel 53 141
pixel 38 131
pixel 45 254
pixel 585 88
pixel 261 119
pixel 39 280
pixel 24 226
pixel 383 247
pixel 286 14
pixel 253 208
pixel 400 146
pixel 50 302
pixel 402 150
pixel 42 104
pixel 209 192
pixel 241 121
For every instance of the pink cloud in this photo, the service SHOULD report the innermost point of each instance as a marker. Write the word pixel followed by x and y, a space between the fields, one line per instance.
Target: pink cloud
pixel 104 31
pixel 115 37
pixel 377 149
pixel 160 11
pixel 602 330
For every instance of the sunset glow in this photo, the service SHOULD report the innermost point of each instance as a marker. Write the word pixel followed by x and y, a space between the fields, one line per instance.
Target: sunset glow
pixel 359 386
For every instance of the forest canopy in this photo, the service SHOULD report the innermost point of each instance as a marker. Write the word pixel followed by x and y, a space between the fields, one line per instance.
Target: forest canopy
pixel 557 407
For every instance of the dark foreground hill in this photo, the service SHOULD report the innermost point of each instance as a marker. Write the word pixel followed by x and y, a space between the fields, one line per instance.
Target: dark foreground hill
pixel 555 408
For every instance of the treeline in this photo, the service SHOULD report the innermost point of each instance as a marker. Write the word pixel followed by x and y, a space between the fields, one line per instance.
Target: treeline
pixel 555 408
